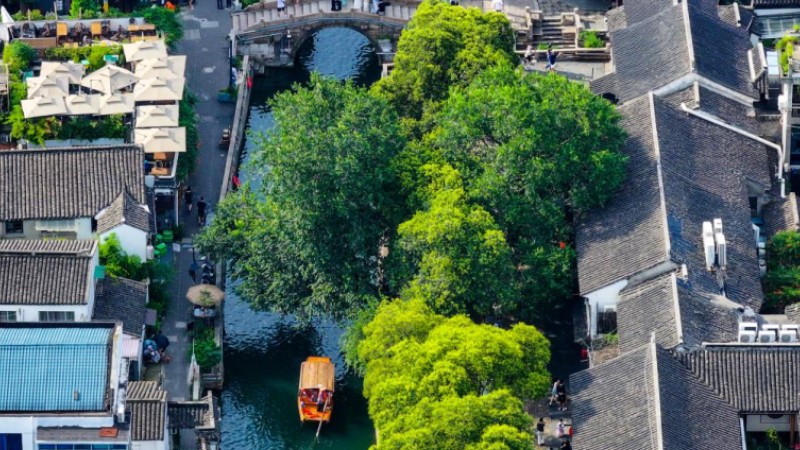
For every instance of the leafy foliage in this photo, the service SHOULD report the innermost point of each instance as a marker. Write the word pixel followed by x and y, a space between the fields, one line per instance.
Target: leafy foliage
pixel 307 241
pixel 422 367
pixel 102 127
pixel 444 47
pixel 590 39
pixel 187 117
pixel 83 9
pixel 166 21
pixel 782 281
pixel 92 53
pixel 206 351
pixel 18 56
pixel 452 253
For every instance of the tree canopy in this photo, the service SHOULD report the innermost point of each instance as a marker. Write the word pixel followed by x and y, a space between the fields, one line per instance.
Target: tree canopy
pixel 425 370
pixel 307 240
pixel 443 46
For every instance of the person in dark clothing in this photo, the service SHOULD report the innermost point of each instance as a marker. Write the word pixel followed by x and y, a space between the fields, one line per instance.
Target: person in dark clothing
pixel 540 431
pixel 229 4
pixel 201 208
pixel 566 445
pixel 561 393
pixel 382 7
pixel 219 4
pixel 188 198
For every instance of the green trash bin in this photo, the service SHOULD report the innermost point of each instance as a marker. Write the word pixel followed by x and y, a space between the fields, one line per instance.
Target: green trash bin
pixel 160 250
pixel 159 238
pixel 167 236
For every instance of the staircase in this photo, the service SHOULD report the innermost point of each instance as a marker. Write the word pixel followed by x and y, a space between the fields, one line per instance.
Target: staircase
pixel 550 31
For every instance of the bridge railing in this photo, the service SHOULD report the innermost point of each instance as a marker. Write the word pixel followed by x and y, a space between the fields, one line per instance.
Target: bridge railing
pixel 238 128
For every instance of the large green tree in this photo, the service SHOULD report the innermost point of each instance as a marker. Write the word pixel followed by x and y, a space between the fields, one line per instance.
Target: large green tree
pixel 442 47
pixel 452 254
pixel 307 240
pixel 434 382
pixel 534 150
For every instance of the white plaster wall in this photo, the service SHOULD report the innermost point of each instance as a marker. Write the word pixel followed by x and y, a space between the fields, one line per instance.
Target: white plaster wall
pixel 133 240
pixel 600 298
pixel 29 313
pixel 26 425
pixel 758 422
pixel 150 445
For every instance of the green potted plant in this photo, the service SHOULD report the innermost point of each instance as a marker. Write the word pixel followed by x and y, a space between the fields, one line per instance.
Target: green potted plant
pixel 227 95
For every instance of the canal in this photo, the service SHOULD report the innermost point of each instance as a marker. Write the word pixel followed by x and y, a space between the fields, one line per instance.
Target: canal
pixel 263 351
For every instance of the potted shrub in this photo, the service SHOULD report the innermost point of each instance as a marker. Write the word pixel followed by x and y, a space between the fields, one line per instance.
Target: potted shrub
pixel 227 95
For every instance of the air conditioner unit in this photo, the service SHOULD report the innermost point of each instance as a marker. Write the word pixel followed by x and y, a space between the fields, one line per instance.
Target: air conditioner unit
pixel 766 337
pixel 747 337
pixel 748 326
pixel 791 327
pixel 722 254
pixel 773 327
pixel 121 413
pixel 717 226
pixel 787 336
pixel 610 308
pixel 708 245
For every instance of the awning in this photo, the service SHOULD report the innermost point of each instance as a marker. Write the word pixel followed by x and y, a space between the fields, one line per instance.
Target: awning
pixel 78 105
pixel 161 140
pixel 131 347
pixel 116 104
pixel 167 68
pixel 53 86
pixel 158 89
pixel 43 107
pixel 73 71
pixel 317 372
pixel 144 50
pixel 109 79
pixel 157 116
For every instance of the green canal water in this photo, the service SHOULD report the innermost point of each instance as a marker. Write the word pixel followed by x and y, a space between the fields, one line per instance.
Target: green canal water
pixel 263 351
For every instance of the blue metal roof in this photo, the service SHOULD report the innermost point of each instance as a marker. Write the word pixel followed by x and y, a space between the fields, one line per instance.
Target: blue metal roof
pixel 41 368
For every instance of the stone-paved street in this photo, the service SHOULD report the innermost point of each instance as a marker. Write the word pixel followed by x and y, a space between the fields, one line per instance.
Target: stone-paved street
pixel 205 43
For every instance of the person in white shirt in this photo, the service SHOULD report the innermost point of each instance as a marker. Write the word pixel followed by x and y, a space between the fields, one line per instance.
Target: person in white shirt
pixel 497 5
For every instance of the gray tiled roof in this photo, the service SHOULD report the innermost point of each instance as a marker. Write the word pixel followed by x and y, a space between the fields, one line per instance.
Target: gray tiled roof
pixel 35 272
pixel 614 406
pixel 198 415
pixel 616 19
pixel 706 317
pixel 123 300
pixel 727 14
pixel 626 236
pixel 68 183
pixel 646 308
pixel 780 215
pixel 752 378
pixel 148 407
pixel 124 209
pixel 654 49
pixel 793 312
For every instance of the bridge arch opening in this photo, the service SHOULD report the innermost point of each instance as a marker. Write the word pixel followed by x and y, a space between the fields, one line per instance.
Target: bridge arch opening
pixel 338 51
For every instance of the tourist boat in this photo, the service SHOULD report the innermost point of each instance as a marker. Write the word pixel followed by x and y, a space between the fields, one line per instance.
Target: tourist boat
pixel 315 393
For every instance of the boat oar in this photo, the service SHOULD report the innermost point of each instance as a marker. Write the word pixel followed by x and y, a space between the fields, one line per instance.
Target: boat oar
pixel 319 428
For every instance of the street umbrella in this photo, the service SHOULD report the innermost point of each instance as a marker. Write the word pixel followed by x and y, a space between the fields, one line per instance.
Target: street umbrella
pixel 73 71
pixel 205 295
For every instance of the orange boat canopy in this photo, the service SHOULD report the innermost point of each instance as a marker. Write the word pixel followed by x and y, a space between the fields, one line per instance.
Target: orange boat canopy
pixel 317 373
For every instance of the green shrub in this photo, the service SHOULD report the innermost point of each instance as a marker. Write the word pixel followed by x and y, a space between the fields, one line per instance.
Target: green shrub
pixel 784 249
pixel 187 117
pixel 166 22
pixel 590 39
pixel 112 127
pixel 93 53
pixel 18 56
pixel 206 351
pixel 35 14
pixel 785 48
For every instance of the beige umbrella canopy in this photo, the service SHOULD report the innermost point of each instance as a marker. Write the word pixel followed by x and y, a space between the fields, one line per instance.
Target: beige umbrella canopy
pixel 157 116
pixel 166 68
pixel 78 105
pixel 144 50
pixel 158 89
pixel 73 71
pixel 116 104
pixel 43 107
pixel 109 79
pixel 205 295
pixel 161 140
pixel 54 86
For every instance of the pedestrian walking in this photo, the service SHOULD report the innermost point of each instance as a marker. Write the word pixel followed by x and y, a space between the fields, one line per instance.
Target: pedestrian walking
pixel 229 4
pixel 281 6
pixel 188 198
pixel 560 431
pixel 201 208
pixel 566 445
pixel 554 391
pixel 540 431
pixel 497 5
pixel 561 394
pixel 551 60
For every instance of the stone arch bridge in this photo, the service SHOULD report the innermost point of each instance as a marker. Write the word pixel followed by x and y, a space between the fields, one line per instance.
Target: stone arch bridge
pixel 272 38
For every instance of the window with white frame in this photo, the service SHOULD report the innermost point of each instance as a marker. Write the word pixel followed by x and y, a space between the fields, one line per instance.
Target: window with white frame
pixel 56 316
pixel 8 316
pixel 56 225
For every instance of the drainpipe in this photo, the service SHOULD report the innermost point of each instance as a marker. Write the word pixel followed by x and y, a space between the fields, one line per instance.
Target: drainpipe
pixel 717 121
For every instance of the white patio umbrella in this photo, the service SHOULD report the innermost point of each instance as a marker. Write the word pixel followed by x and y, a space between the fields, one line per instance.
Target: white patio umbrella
pixel 161 140
pixel 115 104
pixel 109 79
pixel 43 107
pixel 53 86
pixel 158 89
pixel 157 116
pixel 73 71
pixel 144 50
pixel 166 68
pixel 79 105
pixel 5 21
